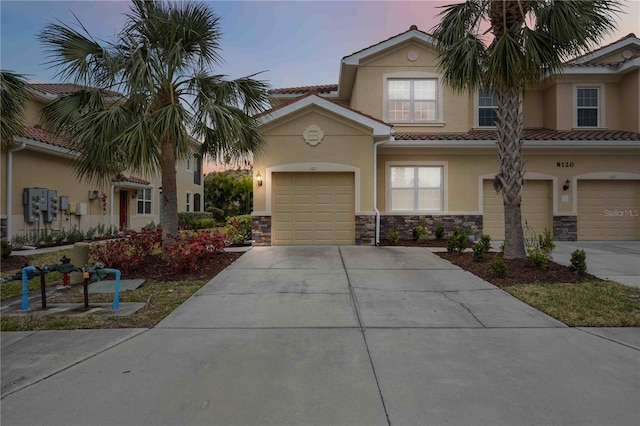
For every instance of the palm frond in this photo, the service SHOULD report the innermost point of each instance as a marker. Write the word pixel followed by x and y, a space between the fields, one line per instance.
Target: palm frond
pixel 13 89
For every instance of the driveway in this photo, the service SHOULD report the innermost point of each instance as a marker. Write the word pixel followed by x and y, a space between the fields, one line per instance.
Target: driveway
pixel 338 335
pixel 614 260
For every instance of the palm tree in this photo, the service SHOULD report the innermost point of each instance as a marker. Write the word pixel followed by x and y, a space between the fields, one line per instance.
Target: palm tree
pixel 13 88
pixel 159 62
pixel 528 40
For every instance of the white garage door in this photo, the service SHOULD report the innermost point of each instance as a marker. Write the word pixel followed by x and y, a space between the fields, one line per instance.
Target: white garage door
pixel 608 210
pixel 537 208
pixel 313 208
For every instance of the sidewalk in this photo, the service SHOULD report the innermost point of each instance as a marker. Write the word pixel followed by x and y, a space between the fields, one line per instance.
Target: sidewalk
pixel 331 335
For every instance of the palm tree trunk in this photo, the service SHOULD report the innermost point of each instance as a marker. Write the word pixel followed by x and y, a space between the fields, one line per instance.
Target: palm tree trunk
pixel 169 192
pixel 510 177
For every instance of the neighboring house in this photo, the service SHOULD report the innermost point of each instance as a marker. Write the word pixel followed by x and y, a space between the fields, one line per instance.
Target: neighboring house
pixel 62 201
pixel 392 142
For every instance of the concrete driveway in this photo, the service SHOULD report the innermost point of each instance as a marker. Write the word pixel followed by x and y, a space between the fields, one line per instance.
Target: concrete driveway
pixel 334 335
pixel 614 260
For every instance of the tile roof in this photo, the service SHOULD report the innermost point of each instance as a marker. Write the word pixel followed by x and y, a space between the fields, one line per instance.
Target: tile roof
pixel 65 88
pixel 302 90
pixel 411 28
pixel 528 134
pixel 291 101
pixel 44 136
pixel 131 179
pixel 571 61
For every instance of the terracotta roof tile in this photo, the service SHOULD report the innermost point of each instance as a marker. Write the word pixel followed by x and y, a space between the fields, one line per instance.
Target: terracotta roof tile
pixel 65 88
pixel 302 90
pixel 290 101
pixel 412 28
pixel 44 136
pixel 630 35
pixel 131 179
pixel 528 134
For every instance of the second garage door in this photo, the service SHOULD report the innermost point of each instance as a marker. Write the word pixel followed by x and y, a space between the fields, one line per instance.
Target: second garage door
pixel 608 210
pixel 313 208
pixel 537 208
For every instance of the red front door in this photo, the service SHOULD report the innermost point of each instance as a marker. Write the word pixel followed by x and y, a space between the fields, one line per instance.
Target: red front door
pixel 124 209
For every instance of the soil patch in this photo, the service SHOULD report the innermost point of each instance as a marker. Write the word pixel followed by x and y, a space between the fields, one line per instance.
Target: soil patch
pixel 412 243
pixel 520 271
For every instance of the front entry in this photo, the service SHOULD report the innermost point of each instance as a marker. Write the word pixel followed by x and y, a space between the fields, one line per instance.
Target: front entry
pixel 124 210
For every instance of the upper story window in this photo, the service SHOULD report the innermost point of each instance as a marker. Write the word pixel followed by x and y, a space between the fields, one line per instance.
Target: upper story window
pixel 188 202
pixel 188 162
pixel 197 170
pixel 588 106
pixel 144 201
pixel 412 100
pixel 418 188
pixel 487 108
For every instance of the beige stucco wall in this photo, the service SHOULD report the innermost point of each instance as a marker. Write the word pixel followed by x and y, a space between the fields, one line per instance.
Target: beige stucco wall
pixel 630 91
pixel 465 167
pixel 533 108
pixel 369 89
pixel 184 182
pixel 345 143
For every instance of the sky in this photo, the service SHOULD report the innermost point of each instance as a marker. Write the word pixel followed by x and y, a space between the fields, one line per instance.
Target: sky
pixel 293 43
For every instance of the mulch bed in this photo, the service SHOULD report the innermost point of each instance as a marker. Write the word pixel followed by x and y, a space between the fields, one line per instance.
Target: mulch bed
pixel 412 243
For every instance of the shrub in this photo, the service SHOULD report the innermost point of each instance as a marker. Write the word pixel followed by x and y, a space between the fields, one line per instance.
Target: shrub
pixel 499 267
pixel 190 247
pixel 239 229
pixel 75 235
pixel 394 236
pixel 185 219
pixel 579 262
pixel 217 213
pixel 440 232
pixel 5 249
pixel 485 240
pixel 127 252
pixel 538 256
pixel 205 223
pixel 478 251
pixel 420 231
pixel 545 242
pixel 458 241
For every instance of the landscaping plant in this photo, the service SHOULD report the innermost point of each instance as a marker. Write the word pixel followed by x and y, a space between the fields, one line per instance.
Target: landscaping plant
pixel 394 236
pixel 239 229
pixel 5 249
pixel 458 241
pixel 440 232
pixel 579 262
pixel 420 231
pixel 499 266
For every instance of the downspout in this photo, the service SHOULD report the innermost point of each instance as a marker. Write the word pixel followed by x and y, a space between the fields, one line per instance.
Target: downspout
pixel 375 186
pixel 9 203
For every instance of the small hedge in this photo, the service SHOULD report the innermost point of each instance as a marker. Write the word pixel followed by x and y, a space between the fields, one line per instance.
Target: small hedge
pixel 186 219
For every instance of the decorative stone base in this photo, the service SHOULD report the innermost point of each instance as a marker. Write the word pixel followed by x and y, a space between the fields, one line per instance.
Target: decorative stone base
pixel 405 224
pixel 261 230
pixel 365 230
pixel 565 228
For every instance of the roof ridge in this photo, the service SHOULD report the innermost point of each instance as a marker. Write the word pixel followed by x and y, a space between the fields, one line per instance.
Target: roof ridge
pixel 411 28
pixel 591 52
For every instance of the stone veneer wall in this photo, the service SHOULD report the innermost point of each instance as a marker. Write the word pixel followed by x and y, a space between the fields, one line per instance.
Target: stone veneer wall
pixel 365 230
pixel 565 228
pixel 405 224
pixel 261 230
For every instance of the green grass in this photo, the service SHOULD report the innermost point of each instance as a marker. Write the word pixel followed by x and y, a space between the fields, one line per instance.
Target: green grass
pixel 588 304
pixel 160 298
pixel 14 288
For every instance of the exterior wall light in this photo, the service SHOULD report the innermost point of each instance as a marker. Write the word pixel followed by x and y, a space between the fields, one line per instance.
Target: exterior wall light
pixel 566 185
pixel 259 179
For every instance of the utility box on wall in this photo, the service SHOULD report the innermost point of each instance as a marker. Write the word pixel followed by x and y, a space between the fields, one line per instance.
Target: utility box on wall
pixel 51 214
pixel 81 209
pixel 34 201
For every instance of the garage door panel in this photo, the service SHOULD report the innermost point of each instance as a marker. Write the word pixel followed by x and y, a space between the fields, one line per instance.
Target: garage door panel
pixel 320 209
pixel 607 209
pixel 537 208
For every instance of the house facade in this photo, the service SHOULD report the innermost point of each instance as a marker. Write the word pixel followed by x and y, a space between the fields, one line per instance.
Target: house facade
pixel 41 192
pixel 391 145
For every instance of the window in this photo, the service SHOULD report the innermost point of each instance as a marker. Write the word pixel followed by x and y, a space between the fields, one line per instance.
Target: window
pixel 144 201
pixel 487 108
pixel 412 100
pixel 587 101
pixel 188 162
pixel 188 204
pixel 197 170
pixel 196 202
pixel 416 188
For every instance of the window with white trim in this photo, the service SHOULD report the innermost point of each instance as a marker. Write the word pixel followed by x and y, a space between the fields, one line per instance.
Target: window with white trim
pixel 417 188
pixel 412 100
pixel 144 201
pixel 188 202
pixel 487 108
pixel 588 104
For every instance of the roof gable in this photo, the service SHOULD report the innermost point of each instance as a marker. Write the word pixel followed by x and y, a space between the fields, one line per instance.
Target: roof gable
pixel 379 128
pixel 630 42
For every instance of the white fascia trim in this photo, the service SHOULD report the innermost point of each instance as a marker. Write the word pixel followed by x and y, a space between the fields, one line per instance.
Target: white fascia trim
pixel 541 144
pixel 131 185
pixel 606 50
pixel 414 34
pixel 46 148
pixel 378 128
